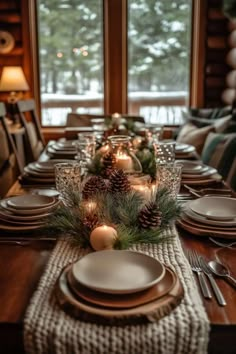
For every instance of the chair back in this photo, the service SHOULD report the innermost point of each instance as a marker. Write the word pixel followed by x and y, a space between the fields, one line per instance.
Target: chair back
pixel 10 163
pixel 34 139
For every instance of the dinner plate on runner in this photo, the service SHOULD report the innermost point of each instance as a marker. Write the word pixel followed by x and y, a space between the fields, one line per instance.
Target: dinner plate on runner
pixel 39 180
pixel 30 201
pixel 123 300
pixel 204 220
pixel 147 312
pixel 128 272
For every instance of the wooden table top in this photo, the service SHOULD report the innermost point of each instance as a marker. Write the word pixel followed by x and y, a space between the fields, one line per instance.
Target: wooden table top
pixel 21 267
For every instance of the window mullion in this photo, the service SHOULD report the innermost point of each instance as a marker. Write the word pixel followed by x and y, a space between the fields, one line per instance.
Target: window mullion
pixel 115 56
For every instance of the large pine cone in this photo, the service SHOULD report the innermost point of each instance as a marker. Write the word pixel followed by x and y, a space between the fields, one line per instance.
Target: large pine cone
pixel 93 185
pixel 119 182
pixel 150 216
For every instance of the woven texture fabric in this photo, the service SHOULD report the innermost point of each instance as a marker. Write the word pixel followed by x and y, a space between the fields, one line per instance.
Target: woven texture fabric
pixel 47 329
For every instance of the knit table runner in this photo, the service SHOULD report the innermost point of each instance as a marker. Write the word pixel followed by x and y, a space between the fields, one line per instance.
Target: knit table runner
pixel 47 329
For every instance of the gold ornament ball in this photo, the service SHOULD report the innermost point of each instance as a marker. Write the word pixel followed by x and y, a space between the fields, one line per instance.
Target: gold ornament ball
pixel 103 238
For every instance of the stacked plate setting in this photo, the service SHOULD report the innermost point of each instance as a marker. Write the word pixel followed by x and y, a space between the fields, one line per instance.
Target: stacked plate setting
pixel 210 216
pixel 195 173
pixel 115 283
pixel 25 213
pixel 62 150
pixel 41 172
pixel 184 151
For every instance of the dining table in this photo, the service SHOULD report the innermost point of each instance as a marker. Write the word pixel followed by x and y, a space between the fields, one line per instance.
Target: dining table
pixel 23 263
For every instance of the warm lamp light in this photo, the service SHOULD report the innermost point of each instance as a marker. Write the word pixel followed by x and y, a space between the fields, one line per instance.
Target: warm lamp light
pixel 12 80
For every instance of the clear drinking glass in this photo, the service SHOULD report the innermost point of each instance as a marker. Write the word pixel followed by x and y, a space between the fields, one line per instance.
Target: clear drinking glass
pixel 165 152
pixel 169 176
pixel 68 178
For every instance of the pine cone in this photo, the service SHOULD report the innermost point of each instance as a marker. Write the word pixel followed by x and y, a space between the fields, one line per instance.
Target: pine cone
pixel 108 163
pixel 150 216
pixel 91 221
pixel 119 182
pixel 93 185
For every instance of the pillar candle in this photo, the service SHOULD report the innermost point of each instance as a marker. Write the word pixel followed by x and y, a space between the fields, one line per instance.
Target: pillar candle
pixel 103 237
pixel 124 162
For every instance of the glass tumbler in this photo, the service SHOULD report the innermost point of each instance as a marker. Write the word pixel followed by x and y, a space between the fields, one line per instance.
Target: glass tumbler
pixel 169 176
pixel 68 178
pixel 165 152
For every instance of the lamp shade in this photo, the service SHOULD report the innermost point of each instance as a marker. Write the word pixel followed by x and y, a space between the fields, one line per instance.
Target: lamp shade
pixel 13 79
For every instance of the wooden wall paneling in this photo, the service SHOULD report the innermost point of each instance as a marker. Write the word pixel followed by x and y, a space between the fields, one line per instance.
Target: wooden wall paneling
pixel 217 47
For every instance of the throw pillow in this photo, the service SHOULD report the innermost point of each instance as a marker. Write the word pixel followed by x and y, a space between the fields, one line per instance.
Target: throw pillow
pixel 219 151
pixel 190 134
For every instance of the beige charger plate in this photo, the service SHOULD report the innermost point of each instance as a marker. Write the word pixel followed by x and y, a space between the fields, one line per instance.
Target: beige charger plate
pixel 149 312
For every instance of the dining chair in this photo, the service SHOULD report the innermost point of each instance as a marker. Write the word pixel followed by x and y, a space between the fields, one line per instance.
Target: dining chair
pixel 34 139
pixel 10 163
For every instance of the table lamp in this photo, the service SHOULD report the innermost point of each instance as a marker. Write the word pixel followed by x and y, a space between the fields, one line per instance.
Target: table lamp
pixel 12 80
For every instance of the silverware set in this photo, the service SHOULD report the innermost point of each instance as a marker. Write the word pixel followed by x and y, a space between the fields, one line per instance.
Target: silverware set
pixel 206 270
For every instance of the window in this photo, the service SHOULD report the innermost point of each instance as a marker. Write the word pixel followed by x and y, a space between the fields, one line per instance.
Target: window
pixel 75 60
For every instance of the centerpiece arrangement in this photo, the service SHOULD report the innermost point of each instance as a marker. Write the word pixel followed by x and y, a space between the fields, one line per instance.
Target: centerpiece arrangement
pixel 110 214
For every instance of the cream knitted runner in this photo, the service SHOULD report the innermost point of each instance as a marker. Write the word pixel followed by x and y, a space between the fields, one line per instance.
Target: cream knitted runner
pixel 47 329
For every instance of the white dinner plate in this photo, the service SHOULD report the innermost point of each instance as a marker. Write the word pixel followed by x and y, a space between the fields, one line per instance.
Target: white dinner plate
pixel 215 208
pixel 187 150
pixel 29 212
pixel 118 272
pixel 30 201
pixel 204 220
pixel 48 192
pixel 61 152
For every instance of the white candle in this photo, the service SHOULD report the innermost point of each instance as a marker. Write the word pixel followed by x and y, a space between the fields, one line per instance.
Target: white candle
pixel 103 237
pixel 143 190
pixel 124 162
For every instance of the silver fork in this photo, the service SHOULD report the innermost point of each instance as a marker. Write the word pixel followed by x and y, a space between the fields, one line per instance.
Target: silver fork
pixel 219 296
pixel 193 259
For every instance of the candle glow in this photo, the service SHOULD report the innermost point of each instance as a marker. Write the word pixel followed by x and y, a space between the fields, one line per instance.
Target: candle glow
pixel 124 162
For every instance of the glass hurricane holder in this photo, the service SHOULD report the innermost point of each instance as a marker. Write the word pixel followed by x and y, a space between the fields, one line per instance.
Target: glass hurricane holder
pixel 124 156
pixel 68 179
pixel 169 176
pixel 164 152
